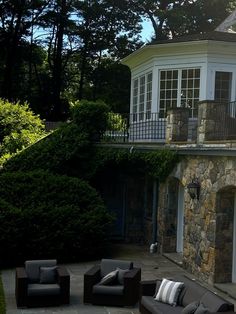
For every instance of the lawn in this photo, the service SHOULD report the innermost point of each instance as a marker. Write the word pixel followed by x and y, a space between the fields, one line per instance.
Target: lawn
pixel 2 299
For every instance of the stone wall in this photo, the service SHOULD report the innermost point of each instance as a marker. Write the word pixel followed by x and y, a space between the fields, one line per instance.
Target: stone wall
pixel 208 229
pixel 214 122
pixel 177 125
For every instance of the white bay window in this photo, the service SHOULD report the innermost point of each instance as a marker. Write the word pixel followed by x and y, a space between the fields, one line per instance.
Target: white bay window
pixel 179 88
pixel 142 97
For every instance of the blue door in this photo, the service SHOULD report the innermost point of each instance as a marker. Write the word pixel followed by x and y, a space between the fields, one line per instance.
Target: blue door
pixel 114 195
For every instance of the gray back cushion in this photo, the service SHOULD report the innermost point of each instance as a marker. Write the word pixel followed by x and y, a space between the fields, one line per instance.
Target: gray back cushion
pixel 108 265
pixel 214 302
pixel 32 268
pixel 191 292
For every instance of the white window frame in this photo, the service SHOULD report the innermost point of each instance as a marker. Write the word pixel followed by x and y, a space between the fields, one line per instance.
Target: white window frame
pixel 179 87
pixel 144 114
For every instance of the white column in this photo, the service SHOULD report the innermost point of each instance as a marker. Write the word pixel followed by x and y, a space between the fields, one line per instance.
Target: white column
pixel 155 89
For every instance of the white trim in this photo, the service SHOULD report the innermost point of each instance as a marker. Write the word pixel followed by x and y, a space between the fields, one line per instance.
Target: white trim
pixel 234 243
pixel 155 90
pixel 138 79
pixel 180 220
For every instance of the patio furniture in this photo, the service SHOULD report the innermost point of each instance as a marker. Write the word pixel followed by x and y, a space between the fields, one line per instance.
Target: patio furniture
pixel 191 293
pixel 121 290
pixel 42 283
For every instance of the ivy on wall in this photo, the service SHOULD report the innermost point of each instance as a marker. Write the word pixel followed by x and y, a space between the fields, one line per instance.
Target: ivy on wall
pixel 51 179
pixel 157 164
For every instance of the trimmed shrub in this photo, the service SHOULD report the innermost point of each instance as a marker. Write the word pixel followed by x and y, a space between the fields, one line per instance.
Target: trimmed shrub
pixel 65 151
pixel 91 117
pixel 49 216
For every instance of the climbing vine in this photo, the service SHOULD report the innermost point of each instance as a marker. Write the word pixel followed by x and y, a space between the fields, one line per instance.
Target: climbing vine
pixel 157 164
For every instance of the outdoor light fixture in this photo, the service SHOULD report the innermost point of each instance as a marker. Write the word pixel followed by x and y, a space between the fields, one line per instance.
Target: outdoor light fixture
pixel 194 189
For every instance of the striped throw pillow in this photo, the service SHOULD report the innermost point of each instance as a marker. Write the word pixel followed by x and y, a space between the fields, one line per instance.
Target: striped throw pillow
pixel 169 291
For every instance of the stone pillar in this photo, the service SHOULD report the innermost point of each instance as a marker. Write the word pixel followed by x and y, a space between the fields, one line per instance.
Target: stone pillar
pixel 177 125
pixel 211 121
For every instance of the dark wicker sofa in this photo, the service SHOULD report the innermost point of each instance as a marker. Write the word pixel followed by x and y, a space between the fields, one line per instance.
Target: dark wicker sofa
pixel 191 292
pixel 116 294
pixel 30 291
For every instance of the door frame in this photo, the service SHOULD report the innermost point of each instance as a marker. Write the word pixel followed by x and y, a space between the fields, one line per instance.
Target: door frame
pixel 180 220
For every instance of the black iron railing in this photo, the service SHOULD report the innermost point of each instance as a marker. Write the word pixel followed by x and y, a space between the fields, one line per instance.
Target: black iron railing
pixel 135 127
pixel 221 125
pixel 148 127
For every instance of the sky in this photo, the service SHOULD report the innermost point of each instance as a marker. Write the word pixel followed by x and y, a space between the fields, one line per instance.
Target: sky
pixel 147 31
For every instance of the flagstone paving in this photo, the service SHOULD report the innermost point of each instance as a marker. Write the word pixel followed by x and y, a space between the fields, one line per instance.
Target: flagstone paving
pixel 152 265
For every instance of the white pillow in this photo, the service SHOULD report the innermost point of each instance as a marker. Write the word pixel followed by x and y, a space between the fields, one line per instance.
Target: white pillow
pixel 109 278
pixel 169 291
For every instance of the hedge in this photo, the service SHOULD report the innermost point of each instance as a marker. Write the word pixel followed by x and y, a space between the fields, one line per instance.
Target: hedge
pixel 49 216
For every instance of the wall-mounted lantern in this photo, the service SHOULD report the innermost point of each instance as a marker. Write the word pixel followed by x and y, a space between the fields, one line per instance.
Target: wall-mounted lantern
pixel 194 189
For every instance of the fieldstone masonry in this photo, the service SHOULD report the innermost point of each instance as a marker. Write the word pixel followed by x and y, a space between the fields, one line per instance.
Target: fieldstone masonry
pixel 208 222
pixel 214 123
pixel 177 125
pixel 211 116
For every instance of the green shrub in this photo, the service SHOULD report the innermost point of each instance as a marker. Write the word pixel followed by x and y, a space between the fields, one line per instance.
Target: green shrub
pixel 19 127
pixel 65 151
pixel 91 117
pixel 44 216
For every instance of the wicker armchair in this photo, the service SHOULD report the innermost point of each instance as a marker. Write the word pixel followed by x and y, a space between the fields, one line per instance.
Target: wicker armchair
pixel 42 283
pixel 125 293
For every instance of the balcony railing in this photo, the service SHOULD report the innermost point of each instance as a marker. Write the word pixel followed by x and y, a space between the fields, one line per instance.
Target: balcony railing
pixel 135 128
pixel 216 123
pixel 232 109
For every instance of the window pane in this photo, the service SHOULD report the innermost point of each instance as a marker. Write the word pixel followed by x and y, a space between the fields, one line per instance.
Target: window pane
pixel 190 83
pixel 184 83
pixel 174 84
pixel 223 82
pixel 168 90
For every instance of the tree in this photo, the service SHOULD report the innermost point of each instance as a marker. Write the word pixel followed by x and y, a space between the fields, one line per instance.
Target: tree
pixel 17 18
pixel 106 28
pixel 57 21
pixel 19 127
pixel 113 84
pixel 180 17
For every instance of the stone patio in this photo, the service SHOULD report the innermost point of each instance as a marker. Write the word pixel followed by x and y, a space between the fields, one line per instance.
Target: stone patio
pixel 152 265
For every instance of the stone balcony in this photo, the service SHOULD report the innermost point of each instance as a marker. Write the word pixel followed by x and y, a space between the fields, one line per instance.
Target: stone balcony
pixel 215 125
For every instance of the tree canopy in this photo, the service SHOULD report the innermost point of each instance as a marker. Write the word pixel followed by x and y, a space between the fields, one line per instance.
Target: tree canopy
pixel 56 51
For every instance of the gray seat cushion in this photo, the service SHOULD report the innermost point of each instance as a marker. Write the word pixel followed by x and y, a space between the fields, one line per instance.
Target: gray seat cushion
pixel 36 289
pixel 32 268
pixel 109 290
pixel 108 265
pixel 156 307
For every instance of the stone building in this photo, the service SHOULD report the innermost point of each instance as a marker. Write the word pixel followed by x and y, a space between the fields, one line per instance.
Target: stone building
pixel 183 94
